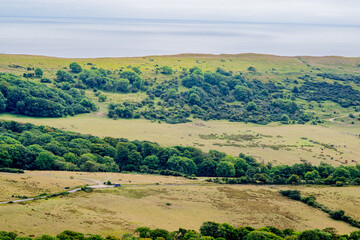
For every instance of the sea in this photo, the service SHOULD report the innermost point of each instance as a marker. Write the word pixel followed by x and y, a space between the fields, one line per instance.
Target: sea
pixel 94 37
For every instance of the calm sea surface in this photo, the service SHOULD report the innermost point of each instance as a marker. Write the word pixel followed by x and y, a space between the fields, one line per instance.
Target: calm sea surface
pixel 71 37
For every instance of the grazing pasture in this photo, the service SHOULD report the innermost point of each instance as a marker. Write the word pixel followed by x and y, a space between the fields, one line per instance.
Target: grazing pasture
pixel 332 143
pixel 167 202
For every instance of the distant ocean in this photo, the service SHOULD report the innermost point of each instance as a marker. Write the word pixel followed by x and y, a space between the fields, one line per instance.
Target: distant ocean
pixel 79 37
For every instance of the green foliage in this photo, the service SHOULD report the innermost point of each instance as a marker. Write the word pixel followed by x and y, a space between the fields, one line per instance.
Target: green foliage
pixel 11 170
pixel 38 72
pixel 261 235
pixel 75 67
pixel 242 93
pixel 208 231
pixel 293 194
pixel 166 70
pixel 102 98
pixel 294 179
pixel 225 169
pixel 182 164
pixel 45 161
pixel 251 69
pixel 34 99
pixel 63 76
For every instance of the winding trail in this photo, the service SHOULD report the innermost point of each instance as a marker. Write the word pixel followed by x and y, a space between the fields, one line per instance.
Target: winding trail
pixel 333 119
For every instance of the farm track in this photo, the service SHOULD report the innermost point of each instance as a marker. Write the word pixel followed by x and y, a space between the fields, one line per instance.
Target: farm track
pixel 99 185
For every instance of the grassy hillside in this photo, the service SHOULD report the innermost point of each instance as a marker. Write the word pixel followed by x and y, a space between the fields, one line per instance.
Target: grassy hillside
pixel 333 140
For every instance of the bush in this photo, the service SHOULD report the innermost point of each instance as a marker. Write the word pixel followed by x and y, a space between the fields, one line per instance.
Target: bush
pixel 293 194
pixel 75 67
pixel 11 170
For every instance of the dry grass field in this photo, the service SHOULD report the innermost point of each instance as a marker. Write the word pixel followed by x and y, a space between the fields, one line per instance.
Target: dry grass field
pixel 165 202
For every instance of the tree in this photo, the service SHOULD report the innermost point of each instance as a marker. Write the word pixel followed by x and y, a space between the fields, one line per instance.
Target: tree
pixel 337 215
pixel 90 166
pixel 251 106
pixel 242 93
pixel 294 179
pixel 70 157
pixel 131 76
pixel 311 176
pixel 45 160
pixel 207 168
pixel 261 235
pixel 5 160
pixel 341 172
pixel 295 90
pixel 134 158
pixel 251 69
pixel 166 70
pixel 63 76
pixel 308 235
pixel 102 98
pixel 182 164
pixel 88 104
pixel 151 162
pixel 285 118
pixel 38 72
pixel 122 85
pixel 2 103
pixel 194 99
pixel 144 232
pixel 225 169
pixel 159 233
pixel 136 70
pixel 75 67
pixel 241 167
pixel 356 234
pixel 210 229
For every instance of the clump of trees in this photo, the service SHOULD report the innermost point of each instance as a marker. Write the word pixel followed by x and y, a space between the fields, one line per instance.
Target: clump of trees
pixel 344 95
pixel 208 231
pixel 34 99
pixel 219 95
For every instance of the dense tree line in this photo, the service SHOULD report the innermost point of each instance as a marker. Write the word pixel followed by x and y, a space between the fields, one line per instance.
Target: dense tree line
pixel 208 231
pixel 33 99
pixel 247 172
pixel 124 82
pixel 26 146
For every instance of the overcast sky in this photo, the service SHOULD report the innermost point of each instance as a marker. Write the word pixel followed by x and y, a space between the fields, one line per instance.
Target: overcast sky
pixel 284 11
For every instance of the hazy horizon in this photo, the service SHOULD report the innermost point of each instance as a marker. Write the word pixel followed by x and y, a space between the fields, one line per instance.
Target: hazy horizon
pixel 124 28
pixel 93 37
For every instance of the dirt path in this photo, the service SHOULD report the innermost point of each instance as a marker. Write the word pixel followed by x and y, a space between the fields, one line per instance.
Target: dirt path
pixel 98 185
pixel 332 119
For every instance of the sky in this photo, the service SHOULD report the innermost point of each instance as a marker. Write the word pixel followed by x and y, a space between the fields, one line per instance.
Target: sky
pixel 339 12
